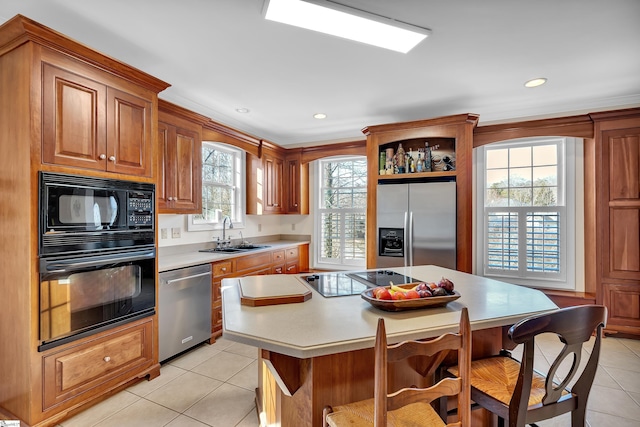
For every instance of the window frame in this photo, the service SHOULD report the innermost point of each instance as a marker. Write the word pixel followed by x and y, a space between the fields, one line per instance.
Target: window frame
pixel 319 260
pixel 568 155
pixel 239 217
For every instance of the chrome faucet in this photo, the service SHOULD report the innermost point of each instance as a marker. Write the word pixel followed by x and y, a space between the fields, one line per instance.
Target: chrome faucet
pixel 224 222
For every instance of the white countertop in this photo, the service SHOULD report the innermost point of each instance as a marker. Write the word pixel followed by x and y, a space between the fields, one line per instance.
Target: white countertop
pixel 321 326
pixel 191 256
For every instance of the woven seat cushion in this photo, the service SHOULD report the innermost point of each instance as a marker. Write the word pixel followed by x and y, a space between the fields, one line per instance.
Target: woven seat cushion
pixel 497 377
pixel 361 414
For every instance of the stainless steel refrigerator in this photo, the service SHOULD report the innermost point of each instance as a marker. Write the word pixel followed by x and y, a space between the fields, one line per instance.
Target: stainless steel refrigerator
pixel 416 224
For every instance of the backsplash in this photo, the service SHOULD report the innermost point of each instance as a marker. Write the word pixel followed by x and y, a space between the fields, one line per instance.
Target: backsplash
pixel 172 229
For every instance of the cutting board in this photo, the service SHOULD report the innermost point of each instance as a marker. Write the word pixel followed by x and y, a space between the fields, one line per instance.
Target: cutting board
pixel 257 291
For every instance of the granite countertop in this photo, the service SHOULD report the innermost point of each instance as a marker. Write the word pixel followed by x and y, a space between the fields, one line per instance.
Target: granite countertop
pixel 321 326
pixel 174 257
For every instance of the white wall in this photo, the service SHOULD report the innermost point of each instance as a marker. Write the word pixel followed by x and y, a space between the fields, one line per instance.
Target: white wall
pixel 255 226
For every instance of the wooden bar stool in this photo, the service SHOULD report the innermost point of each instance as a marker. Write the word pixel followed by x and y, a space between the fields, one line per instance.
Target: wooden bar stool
pixel 411 406
pixel 518 394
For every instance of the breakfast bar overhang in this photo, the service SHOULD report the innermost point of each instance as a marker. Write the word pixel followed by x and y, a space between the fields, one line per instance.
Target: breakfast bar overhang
pixel 320 352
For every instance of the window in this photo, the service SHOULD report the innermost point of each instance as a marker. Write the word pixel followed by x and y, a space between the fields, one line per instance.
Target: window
pixel 222 183
pixel 341 219
pixel 527 220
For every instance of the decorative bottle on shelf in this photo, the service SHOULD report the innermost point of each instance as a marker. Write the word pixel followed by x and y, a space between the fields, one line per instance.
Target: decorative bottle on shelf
pixel 383 163
pixel 427 157
pixel 400 159
pixel 420 162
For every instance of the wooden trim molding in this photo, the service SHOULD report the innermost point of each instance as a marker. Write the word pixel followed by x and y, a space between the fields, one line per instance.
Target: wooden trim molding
pixel 469 118
pixel 577 126
pixel 178 111
pixel 356 148
pixel 21 29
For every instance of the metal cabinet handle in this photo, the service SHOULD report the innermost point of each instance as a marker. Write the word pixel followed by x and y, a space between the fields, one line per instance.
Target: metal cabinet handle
pixel 170 198
pixel 102 156
pixel 107 359
pixel 295 205
pixel 224 269
pixel 290 268
pixel 276 204
pixel 112 158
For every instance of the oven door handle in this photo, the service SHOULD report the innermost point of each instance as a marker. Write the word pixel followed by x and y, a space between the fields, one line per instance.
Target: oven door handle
pixel 67 265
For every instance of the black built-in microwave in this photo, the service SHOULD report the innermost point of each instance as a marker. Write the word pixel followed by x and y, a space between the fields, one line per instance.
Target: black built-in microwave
pixel 86 214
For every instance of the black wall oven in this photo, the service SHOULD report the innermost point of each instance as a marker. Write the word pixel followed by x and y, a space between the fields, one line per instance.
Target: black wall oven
pixel 97 257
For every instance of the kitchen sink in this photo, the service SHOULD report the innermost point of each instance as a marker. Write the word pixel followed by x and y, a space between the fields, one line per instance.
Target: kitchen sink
pixel 249 246
pixel 235 249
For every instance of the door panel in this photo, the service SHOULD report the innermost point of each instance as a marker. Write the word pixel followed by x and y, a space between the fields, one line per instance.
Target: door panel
pixel 433 209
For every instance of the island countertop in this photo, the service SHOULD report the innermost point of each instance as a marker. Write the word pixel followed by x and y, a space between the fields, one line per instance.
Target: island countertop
pixel 322 326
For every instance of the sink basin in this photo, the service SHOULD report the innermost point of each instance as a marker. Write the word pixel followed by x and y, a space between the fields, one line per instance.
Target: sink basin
pixel 250 246
pixel 235 249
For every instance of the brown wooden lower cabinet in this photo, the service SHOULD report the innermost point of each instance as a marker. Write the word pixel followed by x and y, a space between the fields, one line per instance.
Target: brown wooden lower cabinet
pixel 89 368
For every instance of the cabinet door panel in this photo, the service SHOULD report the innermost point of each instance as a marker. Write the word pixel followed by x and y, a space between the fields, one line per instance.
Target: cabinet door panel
pixel 188 154
pixel 273 172
pixel 293 186
pixel 129 133
pixel 624 170
pixel 623 303
pixel 74 125
pixel 624 245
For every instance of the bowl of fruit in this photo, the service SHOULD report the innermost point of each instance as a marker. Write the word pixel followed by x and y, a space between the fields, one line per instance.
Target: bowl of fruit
pixel 411 296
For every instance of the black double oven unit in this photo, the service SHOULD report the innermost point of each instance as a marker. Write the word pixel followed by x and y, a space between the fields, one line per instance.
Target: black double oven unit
pixel 97 257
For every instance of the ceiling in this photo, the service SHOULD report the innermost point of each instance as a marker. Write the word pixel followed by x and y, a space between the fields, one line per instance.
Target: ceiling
pixel 221 55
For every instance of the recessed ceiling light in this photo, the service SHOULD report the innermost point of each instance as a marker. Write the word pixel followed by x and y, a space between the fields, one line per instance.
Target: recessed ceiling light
pixel 536 82
pixel 332 18
pixel 242 110
pixel 319 116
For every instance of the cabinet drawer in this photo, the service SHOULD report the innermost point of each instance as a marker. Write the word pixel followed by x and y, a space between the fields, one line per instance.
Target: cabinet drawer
pixel 278 256
pixel 82 368
pixel 222 268
pixel 291 268
pixel 291 253
pixel 250 262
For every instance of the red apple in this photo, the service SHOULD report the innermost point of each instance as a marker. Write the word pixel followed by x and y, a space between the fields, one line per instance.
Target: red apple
pixel 383 294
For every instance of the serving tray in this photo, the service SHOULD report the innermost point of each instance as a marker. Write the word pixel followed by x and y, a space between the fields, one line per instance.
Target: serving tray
pixel 407 304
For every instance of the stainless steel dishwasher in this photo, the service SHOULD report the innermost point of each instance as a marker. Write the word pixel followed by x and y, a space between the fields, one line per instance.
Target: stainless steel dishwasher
pixel 184 309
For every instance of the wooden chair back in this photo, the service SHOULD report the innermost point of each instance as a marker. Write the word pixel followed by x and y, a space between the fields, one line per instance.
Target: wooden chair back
pixel 436 350
pixel 574 327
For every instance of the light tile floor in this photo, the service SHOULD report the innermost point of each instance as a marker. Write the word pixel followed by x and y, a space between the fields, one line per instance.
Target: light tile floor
pixel 213 385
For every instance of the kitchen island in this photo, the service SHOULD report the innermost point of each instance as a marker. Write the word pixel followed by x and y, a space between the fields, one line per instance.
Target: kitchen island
pixel 320 351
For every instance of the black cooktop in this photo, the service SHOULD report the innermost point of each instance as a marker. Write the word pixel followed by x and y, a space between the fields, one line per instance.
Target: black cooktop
pixel 353 283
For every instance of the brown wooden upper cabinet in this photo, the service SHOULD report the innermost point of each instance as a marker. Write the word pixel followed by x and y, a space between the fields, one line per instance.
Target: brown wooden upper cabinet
pixel 179 186
pixel 296 183
pixel 92 125
pixel 277 183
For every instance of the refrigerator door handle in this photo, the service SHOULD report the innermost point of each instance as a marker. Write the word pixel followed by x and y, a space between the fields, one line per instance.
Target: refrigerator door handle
pixel 408 239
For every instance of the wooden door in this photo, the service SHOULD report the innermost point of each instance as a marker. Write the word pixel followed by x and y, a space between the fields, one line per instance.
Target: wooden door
pixel 180 170
pixel 273 174
pixel 74 120
pixel 129 141
pixel 187 197
pixel 296 186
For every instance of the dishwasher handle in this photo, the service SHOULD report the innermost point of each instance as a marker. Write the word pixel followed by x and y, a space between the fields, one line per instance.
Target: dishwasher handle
pixel 179 279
